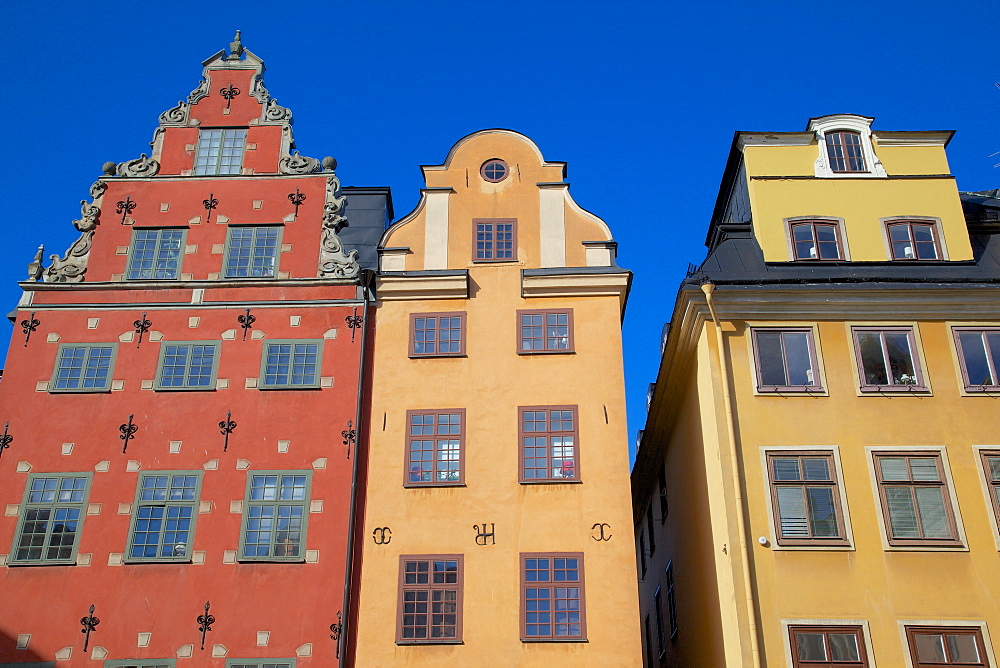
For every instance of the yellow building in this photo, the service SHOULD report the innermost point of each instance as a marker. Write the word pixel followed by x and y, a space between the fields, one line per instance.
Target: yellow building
pixel 817 481
pixel 497 526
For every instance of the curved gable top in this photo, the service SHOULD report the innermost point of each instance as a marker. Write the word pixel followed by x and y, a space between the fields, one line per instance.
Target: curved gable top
pixel 500 131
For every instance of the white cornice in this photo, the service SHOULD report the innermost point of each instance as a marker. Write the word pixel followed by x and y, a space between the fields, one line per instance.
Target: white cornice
pixel 422 286
pixel 900 138
pixel 576 285
pixel 775 139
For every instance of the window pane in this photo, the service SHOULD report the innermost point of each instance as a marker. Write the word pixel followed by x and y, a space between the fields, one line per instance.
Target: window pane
pixel 786 468
pixel 844 647
pixel 770 358
pixel 933 517
pixel 930 647
pixel 792 511
pixel 798 358
pixel 902 514
pixel 822 512
pixel 973 350
pixel 963 648
pixel 872 359
pixel 924 469
pixel 811 646
pixel 897 345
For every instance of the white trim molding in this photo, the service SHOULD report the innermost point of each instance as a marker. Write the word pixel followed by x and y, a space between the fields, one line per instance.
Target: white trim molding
pixel 836 122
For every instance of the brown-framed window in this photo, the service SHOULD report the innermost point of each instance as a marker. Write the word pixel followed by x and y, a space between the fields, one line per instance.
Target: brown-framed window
pixel 946 646
pixel 494 239
pixel 494 170
pixel 435 445
pixel 816 240
pixel 552 600
pixel 671 600
pixel 663 494
pixel 545 331
pixel 979 357
pixel 642 553
pixel 827 646
pixel 437 334
pixel 650 528
pixel 661 640
pixel 887 359
pixel 913 240
pixel 549 451
pixel 786 359
pixel 916 502
pixel 991 465
pixel 430 599
pixel 845 153
pixel 805 498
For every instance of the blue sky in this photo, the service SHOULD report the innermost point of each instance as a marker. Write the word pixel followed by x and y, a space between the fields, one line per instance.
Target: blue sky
pixel 640 98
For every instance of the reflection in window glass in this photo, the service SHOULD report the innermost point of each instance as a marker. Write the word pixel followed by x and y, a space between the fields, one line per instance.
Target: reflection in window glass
pixel 784 358
pixel 912 241
pixel 980 356
pixel 886 358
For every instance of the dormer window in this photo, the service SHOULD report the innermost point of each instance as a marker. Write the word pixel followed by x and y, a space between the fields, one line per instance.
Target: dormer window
pixel 844 143
pixel 816 240
pixel 220 151
pixel 843 148
pixel 913 240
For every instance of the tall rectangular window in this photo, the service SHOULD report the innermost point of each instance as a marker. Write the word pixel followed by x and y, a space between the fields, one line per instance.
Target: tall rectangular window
pixel 991 465
pixel 545 331
pixel 913 240
pixel 786 360
pixel 220 151
pixel 805 498
pixel 187 366
pixel 887 359
pixel 946 646
pixel 155 254
pixel 642 553
pixel 552 602
pixel 671 600
pixel 51 518
pixel 844 150
pixel 827 646
pixel 434 447
pixel 437 334
pixel 495 240
pixel 662 480
pixel 83 367
pixel 274 516
pixel 252 252
pixel 163 516
pixel 979 356
pixel 916 502
pixel 816 240
pixel 549 444
pixel 651 529
pixel 661 640
pixel 430 599
pixel 651 661
pixel 291 364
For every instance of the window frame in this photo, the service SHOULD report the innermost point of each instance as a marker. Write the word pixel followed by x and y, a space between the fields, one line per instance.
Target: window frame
pixel 845 538
pixel 991 487
pixel 156 251
pixel 166 503
pixel 227 254
pixel 672 617
pixel 838 230
pixel 407 464
pixel 257 663
pixel 581 582
pixel 437 330
pixel 521 434
pixel 186 387
pixel 304 503
pixel 661 636
pixel 262 383
pixel 958 539
pixel 26 505
pixel 791 629
pixel 402 587
pixel 978 631
pixel 489 179
pixel 545 312
pixel 138 663
pixel 921 383
pixel 492 258
pixel 217 164
pixel 910 221
pixel 985 330
pixel 650 528
pixel 662 486
pixel 83 390
pixel 817 388
pixel 841 132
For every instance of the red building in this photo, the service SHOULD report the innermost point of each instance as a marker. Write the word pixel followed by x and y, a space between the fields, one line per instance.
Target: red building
pixel 183 393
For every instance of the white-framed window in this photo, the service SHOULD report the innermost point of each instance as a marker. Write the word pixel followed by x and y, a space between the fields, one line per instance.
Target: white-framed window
pixel 844 143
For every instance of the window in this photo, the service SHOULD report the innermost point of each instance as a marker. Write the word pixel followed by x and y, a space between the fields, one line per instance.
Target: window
pixel 915 499
pixel 437 334
pixel 434 447
pixel 274 518
pixel 650 661
pixel 661 641
pixel 545 331
pixel 786 360
pixel 913 241
pixel 291 364
pixel 886 359
pixel 844 150
pixel 260 663
pixel 979 357
pixel 163 516
pixel 946 646
pixel 84 367
pixel 220 151
pixel 187 366
pixel 805 498
pixel 548 444
pixel 552 601
pixel 991 464
pixel 671 600
pixel 651 529
pixel 155 254
pixel 495 239
pixel 252 252
pixel 141 663
pixel 494 170
pixel 430 599
pixel 827 646
pixel 663 494
pixel 51 518
pixel 816 241
pixel 642 553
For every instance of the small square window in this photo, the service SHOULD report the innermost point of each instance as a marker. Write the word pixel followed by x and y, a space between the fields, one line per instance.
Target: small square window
pixel 786 360
pixel 549 444
pixel 552 601
pixel 155 254
pixel 434 447
pixel 805 498
pixel 188 366
pixel 163 516
pixel 252 252
pixel 289 365
pixel 494 240
pixel 979 357
pixel 545 331
pixel 827 646
pixel 816 240
pixel 84 367
pixel 916 500
pixel 51 518
pixel 913 240
pixel 437 334
pixel 220 151
pixel 887 359
pixel 274 516
pixel 430 599
pixel 946 646
pixel 844 150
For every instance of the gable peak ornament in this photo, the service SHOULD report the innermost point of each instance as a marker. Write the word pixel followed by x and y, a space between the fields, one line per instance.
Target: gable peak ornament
pixel 235 47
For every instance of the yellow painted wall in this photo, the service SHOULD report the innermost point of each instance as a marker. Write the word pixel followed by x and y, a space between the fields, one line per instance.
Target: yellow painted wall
pixel 912 160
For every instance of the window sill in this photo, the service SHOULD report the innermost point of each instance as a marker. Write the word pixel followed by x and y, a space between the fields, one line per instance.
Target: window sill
pixel 30 564
pixel 435 641
pixel 270 388
pixel 895 389
pixel 501 261
pixel 143 562
pixel 556 640
pixel 87 391
pixel 928 547
pixel 207 388
pixel 560 481
pixel 419 485
pixel 417 356
pixel 270 560
pixel 804 390
pixel 829 547
pixel 546 352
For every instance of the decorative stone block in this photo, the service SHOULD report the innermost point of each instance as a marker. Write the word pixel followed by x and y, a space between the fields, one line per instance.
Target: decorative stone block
pixel 284 274
pixel 316 506
pixel 99 653
pixel 92 323
pixel 118 277
pixel 330 333
pixel 295 320
pixel 312 556
pixel 121 250
pixel 198 557
pixel 3 559
pixel 229 335
pixel 124 508
pixel 286 248
pixel 219 651
pixel 102 467
pixel 127 337
pixel 257 335
pixel 262 638
pixel 67 448
pixel 290 218
pixel 211 465
pixel 213 275
pixel 155 336
pixel 229 557
pixel 175 447
pixel 22 640
pixel 93 509
pixel 185 651
pixel 42 386
pixel 187 277
pixel 218 249
pixel 258 203
pixel 23 467
pixel 117 385
pixel 222 219
pixel 133 466
pixel 64 654
pixel 52 337
pixel 283 446
pixel 146 384
pixel 165 206
pixel 190 249
pixel 12 509
pixel 116 559
pixel 198 294
pixel 304 650
pixel 204 507
pixel 236 507
pixel 319 463
pixel 194 321
pixel 195 221
pixel 143 640
pixel 222 383
pixel 84 559
pixel 251 383
pixel 242 464
pixel 326 381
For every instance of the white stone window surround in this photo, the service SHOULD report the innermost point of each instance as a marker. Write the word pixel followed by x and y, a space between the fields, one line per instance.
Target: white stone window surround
pixel 831 220
pixel 852 123
pixel 933 221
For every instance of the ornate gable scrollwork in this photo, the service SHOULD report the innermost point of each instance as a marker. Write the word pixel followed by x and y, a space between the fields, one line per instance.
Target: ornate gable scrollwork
pixel 275 112
pixel 73 265
pixel 258 90
pixel 140 167
pixel 175 116
pixel 200 92
pixel 333 261
pixel 297 164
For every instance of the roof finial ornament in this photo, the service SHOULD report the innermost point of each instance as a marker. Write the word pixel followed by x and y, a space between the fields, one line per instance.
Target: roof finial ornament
pixel 235 47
